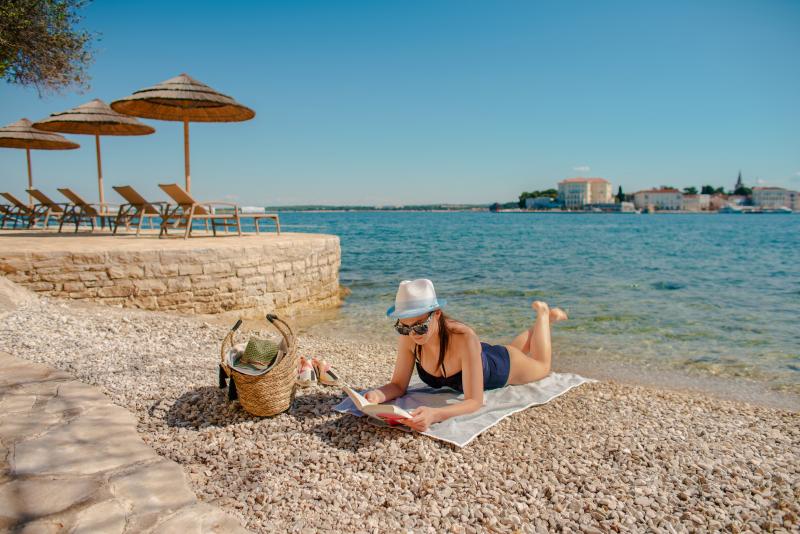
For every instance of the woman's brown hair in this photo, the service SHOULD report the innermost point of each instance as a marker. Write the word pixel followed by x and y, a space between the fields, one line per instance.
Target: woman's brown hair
pixel 444 340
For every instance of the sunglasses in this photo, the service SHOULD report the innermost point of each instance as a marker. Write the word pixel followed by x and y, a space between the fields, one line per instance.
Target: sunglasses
pixel 420 328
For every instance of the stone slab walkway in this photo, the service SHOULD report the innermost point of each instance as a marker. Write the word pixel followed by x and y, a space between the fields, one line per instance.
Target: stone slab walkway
pixel 71 461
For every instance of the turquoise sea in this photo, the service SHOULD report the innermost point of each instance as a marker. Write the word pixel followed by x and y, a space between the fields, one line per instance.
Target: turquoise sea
pixel 706 293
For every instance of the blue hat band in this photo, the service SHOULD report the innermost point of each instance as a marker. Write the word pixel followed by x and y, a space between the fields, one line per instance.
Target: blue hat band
pixel 414 308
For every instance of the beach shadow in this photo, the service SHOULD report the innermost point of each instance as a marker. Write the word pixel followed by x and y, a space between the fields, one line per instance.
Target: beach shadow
pixel 208 406
pixel 203 407
pixel 342 431
pixel 314 404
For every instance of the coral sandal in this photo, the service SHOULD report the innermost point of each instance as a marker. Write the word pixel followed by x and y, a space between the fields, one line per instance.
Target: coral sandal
pixel 307 375
pixel 325 373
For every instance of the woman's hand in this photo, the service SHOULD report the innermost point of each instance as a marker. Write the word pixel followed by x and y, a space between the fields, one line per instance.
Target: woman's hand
pixel 422 418
pixel 374 396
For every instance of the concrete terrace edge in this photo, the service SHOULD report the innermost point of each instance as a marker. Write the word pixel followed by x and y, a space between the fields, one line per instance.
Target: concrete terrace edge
pixel 287 274
pixel 71 461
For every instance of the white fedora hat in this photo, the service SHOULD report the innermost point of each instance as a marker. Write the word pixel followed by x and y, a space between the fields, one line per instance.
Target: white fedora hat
pixel 414 297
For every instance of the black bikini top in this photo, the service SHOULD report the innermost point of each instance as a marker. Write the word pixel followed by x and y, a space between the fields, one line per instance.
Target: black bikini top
pixel 453 382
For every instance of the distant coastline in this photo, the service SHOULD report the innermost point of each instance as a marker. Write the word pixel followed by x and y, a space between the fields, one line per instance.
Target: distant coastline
pixel 444 208
pixel 424 207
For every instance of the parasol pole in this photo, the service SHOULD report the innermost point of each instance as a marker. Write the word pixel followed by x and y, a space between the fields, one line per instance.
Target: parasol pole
pixel 99 173
pixel 30 177
pixel 186 155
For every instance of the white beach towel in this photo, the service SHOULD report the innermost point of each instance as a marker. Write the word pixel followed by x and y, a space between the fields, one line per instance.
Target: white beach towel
pixel 497 405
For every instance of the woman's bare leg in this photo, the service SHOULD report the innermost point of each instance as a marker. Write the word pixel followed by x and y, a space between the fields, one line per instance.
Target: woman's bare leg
pixel 523 340
pixel 531 351
pixel 539 340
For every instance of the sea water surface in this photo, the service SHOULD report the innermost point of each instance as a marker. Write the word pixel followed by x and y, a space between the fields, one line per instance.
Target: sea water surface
pixel 708 293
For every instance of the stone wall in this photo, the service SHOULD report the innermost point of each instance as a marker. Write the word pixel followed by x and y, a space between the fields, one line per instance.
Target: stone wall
pixel 285 274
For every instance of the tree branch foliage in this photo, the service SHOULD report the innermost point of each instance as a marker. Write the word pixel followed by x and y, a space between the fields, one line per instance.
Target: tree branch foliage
pixel 552 193
pixel 41 46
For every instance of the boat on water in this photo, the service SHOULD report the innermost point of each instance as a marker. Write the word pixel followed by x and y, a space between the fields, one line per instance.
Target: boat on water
pixel 731 209
pixel 774 211
pixel 755 211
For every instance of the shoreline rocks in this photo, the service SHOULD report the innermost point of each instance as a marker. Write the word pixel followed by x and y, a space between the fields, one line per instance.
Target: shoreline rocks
pixel 606 456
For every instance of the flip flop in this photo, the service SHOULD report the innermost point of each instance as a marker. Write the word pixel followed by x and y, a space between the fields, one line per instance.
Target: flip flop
pixel 306 376
pixel 325 373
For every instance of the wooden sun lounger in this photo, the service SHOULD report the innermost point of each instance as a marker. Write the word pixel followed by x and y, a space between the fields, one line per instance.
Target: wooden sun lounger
pixel 187 210
pixel 6 214
pixel 47 207
pixel 137 209
pixel 257 217
pixel 79 210
pixel 18 211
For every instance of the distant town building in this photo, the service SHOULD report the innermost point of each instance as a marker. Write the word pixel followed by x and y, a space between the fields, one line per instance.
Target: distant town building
pixel 541 203
pixel 774 197
pixel 696 202
pixel 577 192
pixel 664 198
pixel 717 202
pixel 794 200
pixel 611 207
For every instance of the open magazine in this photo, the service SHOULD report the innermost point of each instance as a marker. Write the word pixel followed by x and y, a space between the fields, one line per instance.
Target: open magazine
pixel 390 413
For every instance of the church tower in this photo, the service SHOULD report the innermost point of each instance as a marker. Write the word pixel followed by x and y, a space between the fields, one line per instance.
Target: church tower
pixel 738 182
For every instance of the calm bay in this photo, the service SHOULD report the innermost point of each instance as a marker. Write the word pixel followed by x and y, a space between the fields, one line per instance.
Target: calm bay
pixel 702 294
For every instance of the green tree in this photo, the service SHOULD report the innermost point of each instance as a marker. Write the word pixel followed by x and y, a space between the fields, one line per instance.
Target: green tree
pixel 41 45
pixel 707 190
pixel 551 193
pixel 690 190
pixel 620 195
pixel 743 190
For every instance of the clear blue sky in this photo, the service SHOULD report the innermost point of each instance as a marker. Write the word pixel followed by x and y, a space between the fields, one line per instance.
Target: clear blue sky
pixel 440 101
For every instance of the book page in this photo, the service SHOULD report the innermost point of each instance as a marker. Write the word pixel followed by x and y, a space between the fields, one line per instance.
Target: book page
pixel 356 397
pixel 386 411
pixel 382 411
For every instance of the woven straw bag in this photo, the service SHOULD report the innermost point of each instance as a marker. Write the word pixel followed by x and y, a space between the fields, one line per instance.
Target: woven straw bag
pixel 270 393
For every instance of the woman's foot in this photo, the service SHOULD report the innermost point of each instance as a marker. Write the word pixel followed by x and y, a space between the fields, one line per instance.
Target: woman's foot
pixel 540 307
pixel 555 314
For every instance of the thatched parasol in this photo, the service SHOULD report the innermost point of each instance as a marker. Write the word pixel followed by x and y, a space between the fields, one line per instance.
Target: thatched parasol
pixel 94 118
pixel 22 134
pixel 183 99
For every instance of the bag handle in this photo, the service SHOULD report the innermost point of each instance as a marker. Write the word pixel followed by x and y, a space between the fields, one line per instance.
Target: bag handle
pixel 228 340
pixel 279 324
pixel 282 327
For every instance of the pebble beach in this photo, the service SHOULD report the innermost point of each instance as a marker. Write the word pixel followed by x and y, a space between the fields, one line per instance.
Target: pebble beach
pixel 606 456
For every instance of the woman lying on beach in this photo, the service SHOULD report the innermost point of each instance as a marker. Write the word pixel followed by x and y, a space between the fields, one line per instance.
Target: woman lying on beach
pixel 448 353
